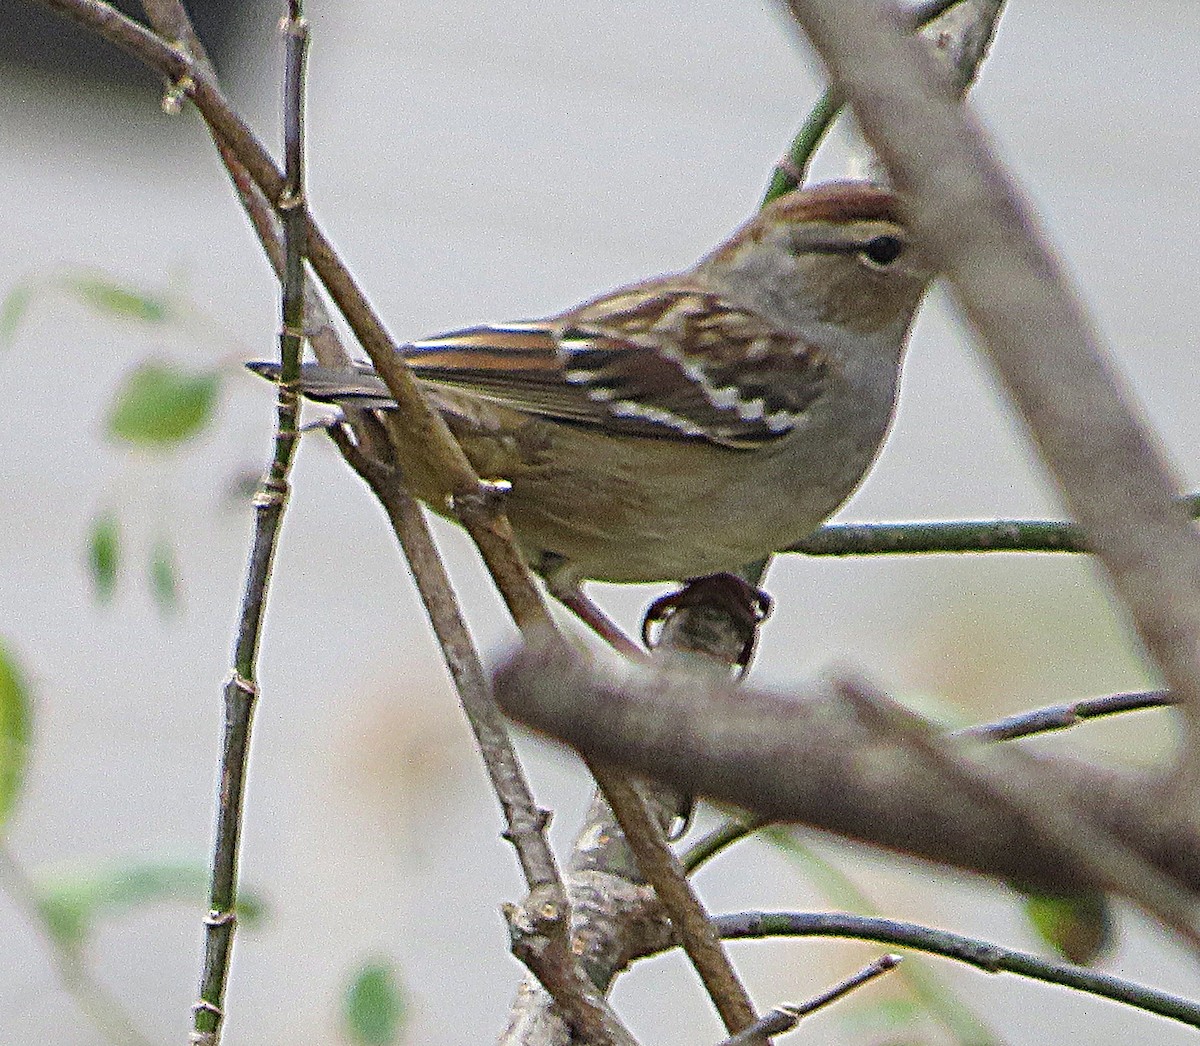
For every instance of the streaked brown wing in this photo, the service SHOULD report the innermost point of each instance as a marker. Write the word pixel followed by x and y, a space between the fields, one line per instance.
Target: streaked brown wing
pixel 517 365
pixel 667 361
pixel 687 358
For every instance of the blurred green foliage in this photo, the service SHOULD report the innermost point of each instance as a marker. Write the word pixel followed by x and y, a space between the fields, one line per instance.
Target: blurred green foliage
pixel 15 716
pixel 375 1007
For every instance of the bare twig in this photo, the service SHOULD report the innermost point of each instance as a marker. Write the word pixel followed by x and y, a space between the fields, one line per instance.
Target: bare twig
pixel 585 609
pixel 784 1018
pixel 424 445
pixel 540 927
pixel 539 942
pixel 977 535
pixel 991 958
pixel 791 171
pixel 241 691
pixel 984 535
pixel 171 22
pixel 415 428
pixel 972 224
pixel 663 871
pixel 1061 717
pixel 526 821
pixel 614 910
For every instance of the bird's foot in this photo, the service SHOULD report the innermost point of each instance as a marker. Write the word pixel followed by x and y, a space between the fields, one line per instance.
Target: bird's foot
pixel 729 594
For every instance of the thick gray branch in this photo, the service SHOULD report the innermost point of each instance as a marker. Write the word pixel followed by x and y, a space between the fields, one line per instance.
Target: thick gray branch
pixel 815 759
pixel 976 229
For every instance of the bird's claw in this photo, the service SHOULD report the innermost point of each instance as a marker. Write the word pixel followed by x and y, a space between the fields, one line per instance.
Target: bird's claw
pixel 746 605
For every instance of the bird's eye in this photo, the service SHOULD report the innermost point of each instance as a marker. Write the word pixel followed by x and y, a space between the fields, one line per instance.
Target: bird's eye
pixel 883 250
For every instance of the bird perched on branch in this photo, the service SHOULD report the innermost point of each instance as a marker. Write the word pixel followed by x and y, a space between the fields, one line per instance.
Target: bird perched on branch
pixel 693 423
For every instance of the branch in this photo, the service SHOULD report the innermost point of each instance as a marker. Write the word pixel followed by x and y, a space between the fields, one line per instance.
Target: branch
pixel 424 444
pixel 983 535
pixel 814 759
pixel 1019 786
pixel 663 871
pixel 784 1018
pixel 241 692
pixel 624 879
pixel 1022 724
pixel 974 227
pixel 414 425
pixel 540 927
pixel 961 43
pixel 526 823
pixel 171 22
pixel 979 535
pixel 1064 716
pixel 991 958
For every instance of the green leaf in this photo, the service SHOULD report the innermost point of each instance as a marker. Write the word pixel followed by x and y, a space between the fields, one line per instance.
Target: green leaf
pixel 72 899
pixel 161 405
pixel 112 299
pixel 164 576
pixel 1079 928
pixel 15 715
pixel 12 312
pixel 104 555
pixel 374 1007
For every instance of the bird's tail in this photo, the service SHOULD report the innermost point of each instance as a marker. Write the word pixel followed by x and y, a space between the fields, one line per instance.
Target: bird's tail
pixel 356 386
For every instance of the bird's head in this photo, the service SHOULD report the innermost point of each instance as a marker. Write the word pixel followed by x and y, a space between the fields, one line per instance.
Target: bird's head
pixel 837 253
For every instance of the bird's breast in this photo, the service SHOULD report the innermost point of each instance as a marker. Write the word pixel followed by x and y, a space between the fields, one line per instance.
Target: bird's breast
pixel 635 509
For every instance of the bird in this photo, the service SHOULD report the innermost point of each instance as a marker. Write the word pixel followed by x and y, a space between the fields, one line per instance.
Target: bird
pixel 688 424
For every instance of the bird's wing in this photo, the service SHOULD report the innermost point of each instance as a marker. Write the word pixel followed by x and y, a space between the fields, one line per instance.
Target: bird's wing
pixel 666 360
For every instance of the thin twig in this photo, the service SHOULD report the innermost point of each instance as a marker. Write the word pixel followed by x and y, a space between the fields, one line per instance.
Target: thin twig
pixel 791 171
pixel 590 614
pixel 540 927
pixel 832 880
pixel 975 535
pixel 616 854
pixel 169 19
pixel 720 838
pixel 241 692
pixel 414 425
pixel 984 535
pixel 423 442
pixel 785 1017
pixel 991 958
pixel 539 942
pixel 1064 716
pixel 525 821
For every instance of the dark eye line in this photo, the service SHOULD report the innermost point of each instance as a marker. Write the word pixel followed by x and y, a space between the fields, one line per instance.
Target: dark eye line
pixel 885 242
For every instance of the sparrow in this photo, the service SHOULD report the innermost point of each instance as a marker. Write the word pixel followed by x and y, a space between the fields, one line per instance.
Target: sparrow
pixel 690 424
